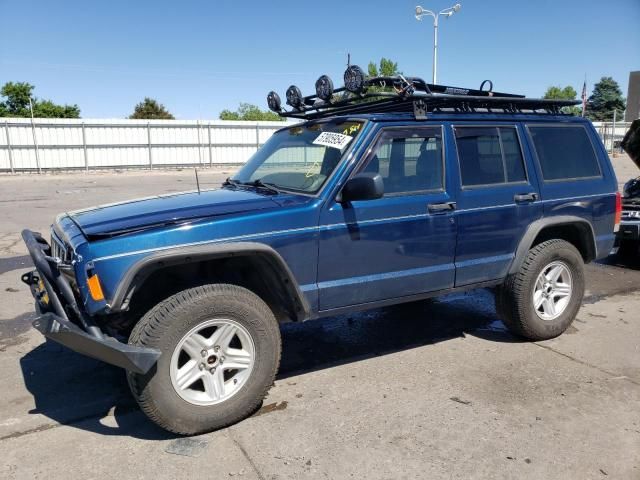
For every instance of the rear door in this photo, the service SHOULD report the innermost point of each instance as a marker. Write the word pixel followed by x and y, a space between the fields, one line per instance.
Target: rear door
pixel 497 197
pixel 399 245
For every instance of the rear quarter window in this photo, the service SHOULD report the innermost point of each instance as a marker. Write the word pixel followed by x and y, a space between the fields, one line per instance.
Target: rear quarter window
pixel 564 152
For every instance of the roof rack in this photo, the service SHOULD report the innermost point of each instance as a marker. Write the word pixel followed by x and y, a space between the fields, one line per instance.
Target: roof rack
pixel 399 94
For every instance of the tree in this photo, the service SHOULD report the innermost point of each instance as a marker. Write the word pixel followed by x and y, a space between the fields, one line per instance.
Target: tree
pixel 247 111
pixel 566 93
pixel 387 68
pixel 150 109
pixel 17 103
pixel 557 93
pixel 606 98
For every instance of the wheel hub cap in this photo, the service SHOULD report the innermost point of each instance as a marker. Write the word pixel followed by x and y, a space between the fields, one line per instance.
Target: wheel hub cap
pixel 552 291
pixel 212 362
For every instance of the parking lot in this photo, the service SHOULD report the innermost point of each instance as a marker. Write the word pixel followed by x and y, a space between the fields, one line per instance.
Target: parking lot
pixel 434 389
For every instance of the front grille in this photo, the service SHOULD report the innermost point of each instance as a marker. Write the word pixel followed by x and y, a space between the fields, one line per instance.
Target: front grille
pixel 631 204
pixel 59 249
pixel 631 215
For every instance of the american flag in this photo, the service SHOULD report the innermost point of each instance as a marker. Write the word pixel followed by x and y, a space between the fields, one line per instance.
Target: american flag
pixel 584 98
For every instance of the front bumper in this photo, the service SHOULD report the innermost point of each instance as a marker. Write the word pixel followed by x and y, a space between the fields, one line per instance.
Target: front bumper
pixel 57 306
pixel 109 350
pixel 628 231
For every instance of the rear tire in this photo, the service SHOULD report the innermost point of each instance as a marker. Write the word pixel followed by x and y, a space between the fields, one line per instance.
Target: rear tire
pixel 535 305
pixel 186 394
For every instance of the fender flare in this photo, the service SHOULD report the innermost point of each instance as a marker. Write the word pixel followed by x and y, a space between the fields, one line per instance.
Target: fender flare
pixel 135 276
pixel 526 242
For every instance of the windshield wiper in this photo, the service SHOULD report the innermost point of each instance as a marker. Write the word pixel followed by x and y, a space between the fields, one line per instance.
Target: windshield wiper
pixel 230 182
pixel 258 183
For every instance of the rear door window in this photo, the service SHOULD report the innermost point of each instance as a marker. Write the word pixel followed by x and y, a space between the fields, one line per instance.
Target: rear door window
pixel 489 156
pixel 564 152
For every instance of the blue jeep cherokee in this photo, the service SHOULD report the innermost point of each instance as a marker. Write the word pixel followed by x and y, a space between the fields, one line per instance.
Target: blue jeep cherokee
pixel 390 190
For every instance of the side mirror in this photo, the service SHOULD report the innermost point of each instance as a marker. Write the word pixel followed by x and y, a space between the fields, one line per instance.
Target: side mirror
pixel 363 186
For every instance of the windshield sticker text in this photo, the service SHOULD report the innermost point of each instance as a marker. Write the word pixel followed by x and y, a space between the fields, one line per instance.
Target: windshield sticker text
pixel 351 129
pixel 333 140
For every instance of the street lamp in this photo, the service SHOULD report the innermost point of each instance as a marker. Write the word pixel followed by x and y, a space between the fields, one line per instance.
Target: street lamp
pixel 447 12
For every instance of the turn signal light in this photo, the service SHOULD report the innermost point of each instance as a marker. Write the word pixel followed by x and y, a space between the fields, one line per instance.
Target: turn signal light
pixel 95 289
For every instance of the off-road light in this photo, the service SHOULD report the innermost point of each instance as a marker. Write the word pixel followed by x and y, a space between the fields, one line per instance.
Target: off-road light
pixel 274 102
pixel 354 79
pixel 294 97
pixel 324 88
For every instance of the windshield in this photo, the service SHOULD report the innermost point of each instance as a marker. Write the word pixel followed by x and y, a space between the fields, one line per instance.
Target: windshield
pixel 300 158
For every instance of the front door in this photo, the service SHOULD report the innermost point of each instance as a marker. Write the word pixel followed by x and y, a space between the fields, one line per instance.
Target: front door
pixel 401 244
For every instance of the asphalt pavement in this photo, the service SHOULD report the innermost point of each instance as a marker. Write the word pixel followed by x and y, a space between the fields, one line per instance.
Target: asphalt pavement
pixel 433 389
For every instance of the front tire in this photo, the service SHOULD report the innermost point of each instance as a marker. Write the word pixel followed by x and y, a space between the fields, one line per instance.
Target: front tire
pixel 542 299
pixel 220 349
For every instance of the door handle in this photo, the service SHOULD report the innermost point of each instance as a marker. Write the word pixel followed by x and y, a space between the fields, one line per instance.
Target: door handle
pixel 441 207
pixel 525 197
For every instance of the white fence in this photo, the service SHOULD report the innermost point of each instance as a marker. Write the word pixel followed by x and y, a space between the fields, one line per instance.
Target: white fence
pixel 50 144
pixel 53 144
pixel 612 136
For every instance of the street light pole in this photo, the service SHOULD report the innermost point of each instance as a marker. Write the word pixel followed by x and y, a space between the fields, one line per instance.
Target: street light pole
pixel 35 140
pixel 435 47
pixel 447 12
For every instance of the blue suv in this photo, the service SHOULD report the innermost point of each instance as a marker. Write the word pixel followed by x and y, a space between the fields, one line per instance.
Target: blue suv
pixel 390 190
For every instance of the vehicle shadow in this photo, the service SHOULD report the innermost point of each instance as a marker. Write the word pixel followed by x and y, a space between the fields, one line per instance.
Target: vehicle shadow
pixel 629 260
pixel 81 392
pixel 343 339
pixel 78 391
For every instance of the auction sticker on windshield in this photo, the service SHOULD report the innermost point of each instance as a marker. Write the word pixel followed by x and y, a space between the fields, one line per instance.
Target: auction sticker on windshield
pixel 332 139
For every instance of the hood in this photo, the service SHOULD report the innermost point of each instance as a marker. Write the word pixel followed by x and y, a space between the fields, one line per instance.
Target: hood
pixel 631 142
pixel 120 218
pixel 632 189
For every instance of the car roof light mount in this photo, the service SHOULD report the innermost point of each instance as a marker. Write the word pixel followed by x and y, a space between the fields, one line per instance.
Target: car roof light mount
pixel 400 94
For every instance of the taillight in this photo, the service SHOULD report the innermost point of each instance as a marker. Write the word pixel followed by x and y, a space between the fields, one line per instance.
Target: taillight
pixel 618 216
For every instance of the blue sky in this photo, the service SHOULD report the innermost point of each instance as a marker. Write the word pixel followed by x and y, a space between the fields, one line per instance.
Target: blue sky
pixel 199 57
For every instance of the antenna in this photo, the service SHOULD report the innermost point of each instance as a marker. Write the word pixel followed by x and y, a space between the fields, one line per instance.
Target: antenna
pixel 197 180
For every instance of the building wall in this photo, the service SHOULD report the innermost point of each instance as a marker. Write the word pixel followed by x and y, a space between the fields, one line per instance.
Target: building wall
pixel 633 97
